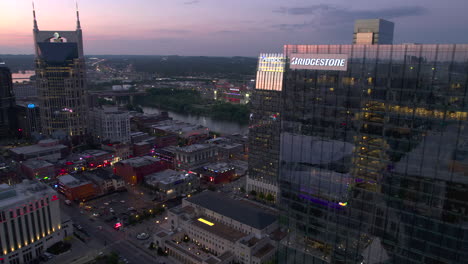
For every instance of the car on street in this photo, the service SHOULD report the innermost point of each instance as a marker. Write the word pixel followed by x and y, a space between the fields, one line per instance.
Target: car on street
pixel 142 236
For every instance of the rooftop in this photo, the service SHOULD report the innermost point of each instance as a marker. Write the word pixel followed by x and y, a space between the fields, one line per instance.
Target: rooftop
pixel 11 196
pixel 219 229
pixel 194 147
pixel 36 148
pixel 94 152
pixel 71 181
pixel 167 177
pixel 243 213
pixel 140 161
pixel 101 174
pixel 218 167
pixel 264 250
pixel 36 164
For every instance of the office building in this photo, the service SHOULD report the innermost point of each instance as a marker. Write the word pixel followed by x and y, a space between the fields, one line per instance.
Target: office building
pixel 61 81
pixel 373 142
pixel 7 102
pixel 264 125
pixel 30 221
pixel 109 123
pixel 212 228
pixel 193 156
pixel 25 90
pixel 29 118
pixel 373 31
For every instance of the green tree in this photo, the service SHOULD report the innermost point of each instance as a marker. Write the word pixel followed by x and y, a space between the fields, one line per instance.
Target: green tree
pixel 253 192
pixel 269 197
pixel 261 196
pixel 242 189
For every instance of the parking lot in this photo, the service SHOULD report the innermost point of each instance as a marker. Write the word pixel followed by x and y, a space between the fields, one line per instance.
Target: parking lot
pixel 117 207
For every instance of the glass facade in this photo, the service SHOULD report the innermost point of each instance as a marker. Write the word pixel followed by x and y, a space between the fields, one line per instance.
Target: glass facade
pixel 264 129
pixel 374 160
pixel 7 102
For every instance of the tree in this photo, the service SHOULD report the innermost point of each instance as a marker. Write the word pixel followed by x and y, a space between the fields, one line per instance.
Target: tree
pixel 261 196
pixel 253 192
pixel 242 189
pixel 269 197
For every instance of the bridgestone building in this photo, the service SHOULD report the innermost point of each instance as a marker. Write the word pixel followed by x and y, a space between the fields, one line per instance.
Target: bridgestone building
pixel 373 154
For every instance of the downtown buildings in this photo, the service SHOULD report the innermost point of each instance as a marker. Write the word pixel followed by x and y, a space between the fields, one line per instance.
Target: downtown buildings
pixel 61 81
pixel 372 146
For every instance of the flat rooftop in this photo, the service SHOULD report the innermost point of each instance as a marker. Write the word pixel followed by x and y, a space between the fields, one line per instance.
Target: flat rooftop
pixel 11 196
pixel 194 147
pixel 94 152
pixel 36 164
pixel 167 177
pixel 219 229
pixel 36 149
pixel 71 181
pixel 241 212
pixel 218 167
pixel 140 161
pixel 264 250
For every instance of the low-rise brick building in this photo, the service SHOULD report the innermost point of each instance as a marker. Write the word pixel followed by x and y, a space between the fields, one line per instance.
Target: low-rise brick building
pixel 75 189
pixel 135 169
pixel 37 169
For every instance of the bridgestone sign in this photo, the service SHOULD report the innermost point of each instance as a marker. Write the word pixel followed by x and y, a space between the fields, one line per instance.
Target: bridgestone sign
pixel 330 62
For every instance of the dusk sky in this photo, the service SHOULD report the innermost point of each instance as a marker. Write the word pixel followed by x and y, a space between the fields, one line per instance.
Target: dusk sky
pixel 223 27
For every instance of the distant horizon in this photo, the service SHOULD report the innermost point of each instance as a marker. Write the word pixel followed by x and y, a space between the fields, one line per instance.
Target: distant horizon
pixel 223 28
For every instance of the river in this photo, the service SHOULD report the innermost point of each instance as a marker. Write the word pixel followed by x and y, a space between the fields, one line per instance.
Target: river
pixel 223 127
pixel 22 76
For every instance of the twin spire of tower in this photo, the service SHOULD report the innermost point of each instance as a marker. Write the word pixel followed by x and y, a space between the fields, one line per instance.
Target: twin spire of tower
pixel 78 24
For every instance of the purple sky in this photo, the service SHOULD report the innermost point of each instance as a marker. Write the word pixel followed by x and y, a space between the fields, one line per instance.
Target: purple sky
pixel 224 27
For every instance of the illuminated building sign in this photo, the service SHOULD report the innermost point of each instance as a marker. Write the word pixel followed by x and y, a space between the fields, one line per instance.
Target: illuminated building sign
pixel 31 106
pixel 205 221
pixel 330 62
pixel 270 71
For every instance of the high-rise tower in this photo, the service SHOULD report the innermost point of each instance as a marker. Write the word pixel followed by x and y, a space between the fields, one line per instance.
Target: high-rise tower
pixel 7 101
pixel 61 81
pixel 373 31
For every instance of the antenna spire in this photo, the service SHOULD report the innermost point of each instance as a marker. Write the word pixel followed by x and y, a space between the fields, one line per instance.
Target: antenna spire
pixel 34 16
pixel 78 24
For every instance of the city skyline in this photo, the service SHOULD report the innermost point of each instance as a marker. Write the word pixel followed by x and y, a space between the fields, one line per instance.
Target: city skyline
pixel 205 28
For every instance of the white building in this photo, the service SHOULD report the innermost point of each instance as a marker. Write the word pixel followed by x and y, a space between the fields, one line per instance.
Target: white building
pixel 230 230
pixel 108 123
pixel 30 221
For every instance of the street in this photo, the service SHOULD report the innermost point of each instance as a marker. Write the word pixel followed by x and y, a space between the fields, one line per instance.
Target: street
pixel 107 239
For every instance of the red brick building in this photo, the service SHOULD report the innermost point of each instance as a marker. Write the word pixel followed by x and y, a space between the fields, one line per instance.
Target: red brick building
pixel 37 169
pixel 133 170
pixel 216 173
pixel 76 190
pixel 142 148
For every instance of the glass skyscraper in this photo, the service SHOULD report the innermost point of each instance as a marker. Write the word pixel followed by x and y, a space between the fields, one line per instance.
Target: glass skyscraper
pixel 7 102
pixel 373 153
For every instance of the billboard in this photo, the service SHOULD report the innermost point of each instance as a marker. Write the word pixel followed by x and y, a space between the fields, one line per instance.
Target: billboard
pixel 328 62
pixel 270 71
